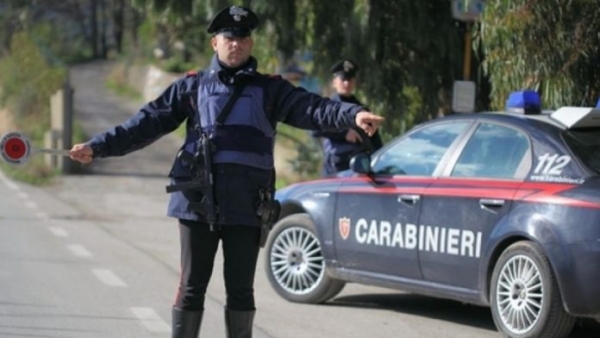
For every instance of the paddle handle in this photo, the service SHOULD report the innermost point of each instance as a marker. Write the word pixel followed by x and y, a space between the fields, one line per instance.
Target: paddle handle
pixel 59 152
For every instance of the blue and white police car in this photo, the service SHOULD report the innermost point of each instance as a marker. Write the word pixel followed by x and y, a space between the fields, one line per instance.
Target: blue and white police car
pixel 497 209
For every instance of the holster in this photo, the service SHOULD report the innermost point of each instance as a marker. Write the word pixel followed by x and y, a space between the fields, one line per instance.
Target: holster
pixel 268 212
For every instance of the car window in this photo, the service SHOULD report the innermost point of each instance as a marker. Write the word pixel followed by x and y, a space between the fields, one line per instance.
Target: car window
pixel 494 151
pixel 585 144
pixel 419 152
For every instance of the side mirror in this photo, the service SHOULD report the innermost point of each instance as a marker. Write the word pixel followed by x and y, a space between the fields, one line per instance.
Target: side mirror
pixel 361 164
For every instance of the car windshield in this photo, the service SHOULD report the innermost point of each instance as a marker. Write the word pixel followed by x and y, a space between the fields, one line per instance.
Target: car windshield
pixel 420 152
pixel 585 144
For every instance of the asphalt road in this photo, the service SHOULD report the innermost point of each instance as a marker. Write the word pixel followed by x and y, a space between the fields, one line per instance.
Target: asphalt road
pixel 95 256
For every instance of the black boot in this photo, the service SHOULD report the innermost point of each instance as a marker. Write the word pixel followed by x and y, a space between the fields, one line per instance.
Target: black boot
pixel 186 324
pixel 239 323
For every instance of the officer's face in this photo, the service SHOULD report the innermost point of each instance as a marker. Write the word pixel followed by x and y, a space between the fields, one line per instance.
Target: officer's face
pixel 232 51
pixel 343 86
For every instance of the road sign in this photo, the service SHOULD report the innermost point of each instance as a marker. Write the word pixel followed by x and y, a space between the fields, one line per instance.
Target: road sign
pixel 467 10
pixel 463 97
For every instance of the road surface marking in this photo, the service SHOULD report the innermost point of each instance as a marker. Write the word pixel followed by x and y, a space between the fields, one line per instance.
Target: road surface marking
pixel 79 251
pixel 109 278
pixel 150 319
pixel 42 215
pixel 31 204
pixel 59 232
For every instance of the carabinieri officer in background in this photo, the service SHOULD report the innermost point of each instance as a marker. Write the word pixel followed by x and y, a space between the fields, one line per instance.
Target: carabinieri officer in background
pixel 340 146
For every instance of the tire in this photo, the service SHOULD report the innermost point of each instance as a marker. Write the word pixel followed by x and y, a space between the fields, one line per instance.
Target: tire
pixel 295 265
pixel 524 295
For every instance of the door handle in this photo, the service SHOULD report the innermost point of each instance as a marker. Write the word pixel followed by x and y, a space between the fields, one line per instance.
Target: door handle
pixel 410 199
pixel 490 203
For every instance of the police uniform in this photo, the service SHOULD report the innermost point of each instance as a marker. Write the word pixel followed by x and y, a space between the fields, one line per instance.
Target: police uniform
pixel 242 166
pixel 337 150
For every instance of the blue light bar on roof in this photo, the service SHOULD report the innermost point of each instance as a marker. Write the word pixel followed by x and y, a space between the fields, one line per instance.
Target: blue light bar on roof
pixel 524 102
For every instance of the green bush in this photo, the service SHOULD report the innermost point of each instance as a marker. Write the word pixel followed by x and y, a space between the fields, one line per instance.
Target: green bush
pixel 176 64
pixel 307 163
pixel 28 81
pixel 59 45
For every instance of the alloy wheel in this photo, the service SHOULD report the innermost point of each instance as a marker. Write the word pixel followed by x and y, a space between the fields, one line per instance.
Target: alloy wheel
pixel 296 260
pixel 519 294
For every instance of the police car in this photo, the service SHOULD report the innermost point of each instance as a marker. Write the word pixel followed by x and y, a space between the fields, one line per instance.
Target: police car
pixel 497 209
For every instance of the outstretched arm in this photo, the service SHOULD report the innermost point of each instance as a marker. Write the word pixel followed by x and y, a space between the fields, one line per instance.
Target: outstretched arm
pixel 154 120
pixel 305 110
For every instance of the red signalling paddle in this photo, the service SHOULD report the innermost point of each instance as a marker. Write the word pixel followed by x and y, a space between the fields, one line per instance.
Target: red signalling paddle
pixel 16 149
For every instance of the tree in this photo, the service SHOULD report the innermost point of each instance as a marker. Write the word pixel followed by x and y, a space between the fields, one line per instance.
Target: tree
pixel 12 13
pixel 410 52
pixel 551 46
pixel 73 22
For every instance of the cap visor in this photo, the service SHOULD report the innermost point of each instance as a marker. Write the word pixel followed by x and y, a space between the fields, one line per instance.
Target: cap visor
pixel 234 32
pixel 345 76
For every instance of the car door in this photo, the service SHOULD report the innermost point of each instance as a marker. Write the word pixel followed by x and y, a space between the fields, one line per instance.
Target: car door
pixel 378 215
pixel 459 210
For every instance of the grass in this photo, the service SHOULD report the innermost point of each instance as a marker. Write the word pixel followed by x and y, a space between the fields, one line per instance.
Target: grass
pixel 180 131
pixel 123 90
pixel 281 183
pixel 34 172
pixel 291 136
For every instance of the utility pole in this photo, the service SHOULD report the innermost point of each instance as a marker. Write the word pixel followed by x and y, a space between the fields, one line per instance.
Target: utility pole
pixel 468 52
pixel 464 92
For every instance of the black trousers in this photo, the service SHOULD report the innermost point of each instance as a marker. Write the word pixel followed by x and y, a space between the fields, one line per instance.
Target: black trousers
pixel 198 247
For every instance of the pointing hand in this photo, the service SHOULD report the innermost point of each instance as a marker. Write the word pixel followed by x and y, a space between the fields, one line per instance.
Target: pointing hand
pixel 368 122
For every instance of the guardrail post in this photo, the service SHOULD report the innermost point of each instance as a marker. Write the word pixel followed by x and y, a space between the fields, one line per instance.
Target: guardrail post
pixel 60 135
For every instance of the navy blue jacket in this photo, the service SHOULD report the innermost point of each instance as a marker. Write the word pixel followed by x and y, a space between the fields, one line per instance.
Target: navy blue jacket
pixel 235 184
pixel 337 150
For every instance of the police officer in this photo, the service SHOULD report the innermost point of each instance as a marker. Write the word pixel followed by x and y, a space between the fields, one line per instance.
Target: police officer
pixel 242 157
pixel 340 146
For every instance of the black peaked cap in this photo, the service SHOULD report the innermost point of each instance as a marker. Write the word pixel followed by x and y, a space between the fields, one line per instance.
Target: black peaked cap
pixel 233 21
pixel 346 68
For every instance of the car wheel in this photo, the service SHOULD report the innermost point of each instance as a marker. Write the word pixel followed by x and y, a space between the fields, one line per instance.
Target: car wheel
pixel 295 265
pixel 524 295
